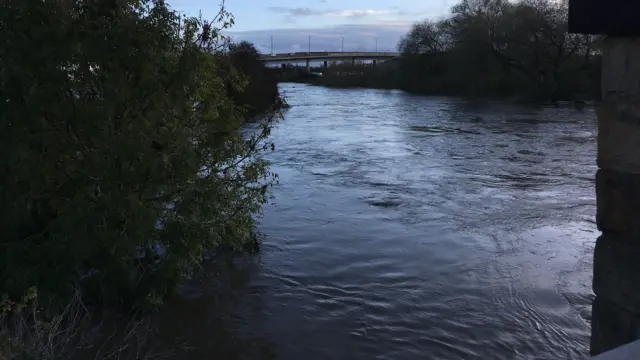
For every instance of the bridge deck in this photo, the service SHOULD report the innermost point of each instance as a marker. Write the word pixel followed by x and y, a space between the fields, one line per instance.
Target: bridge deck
pixel 328 56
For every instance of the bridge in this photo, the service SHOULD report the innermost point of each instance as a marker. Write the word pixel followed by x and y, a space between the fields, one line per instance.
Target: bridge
pixel 328 56
pixel 324 55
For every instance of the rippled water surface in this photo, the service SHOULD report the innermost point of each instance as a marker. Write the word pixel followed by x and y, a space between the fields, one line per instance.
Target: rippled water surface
pixel 408 227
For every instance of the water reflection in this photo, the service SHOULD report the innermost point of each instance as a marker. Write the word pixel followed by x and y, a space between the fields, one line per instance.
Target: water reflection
pixel 407 227
pixel 209 319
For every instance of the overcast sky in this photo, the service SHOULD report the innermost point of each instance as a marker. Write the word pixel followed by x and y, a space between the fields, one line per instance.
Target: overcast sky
pixel 290 22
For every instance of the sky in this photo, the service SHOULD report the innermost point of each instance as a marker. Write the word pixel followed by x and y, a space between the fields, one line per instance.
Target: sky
pixel 365 25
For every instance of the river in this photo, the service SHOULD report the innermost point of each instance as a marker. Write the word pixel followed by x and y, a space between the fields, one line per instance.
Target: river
pixel 409 227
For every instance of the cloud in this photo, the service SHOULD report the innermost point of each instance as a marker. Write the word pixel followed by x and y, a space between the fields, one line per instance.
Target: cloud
pixel 356 30
pixel 388 16
pixel 295 11
pixel 357 13
pixel 300 12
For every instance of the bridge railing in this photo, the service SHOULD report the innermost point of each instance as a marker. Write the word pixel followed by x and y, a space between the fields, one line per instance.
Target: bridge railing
pixel 328 55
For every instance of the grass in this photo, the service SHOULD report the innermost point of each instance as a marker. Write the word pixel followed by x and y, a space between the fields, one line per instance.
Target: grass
pixel 27 333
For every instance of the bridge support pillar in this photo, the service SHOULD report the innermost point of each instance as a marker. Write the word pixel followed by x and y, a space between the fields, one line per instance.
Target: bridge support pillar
pixel 308 66
pixel 616 273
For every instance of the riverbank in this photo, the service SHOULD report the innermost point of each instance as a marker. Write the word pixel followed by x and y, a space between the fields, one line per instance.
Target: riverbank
pixel 388 80
pixel 129 167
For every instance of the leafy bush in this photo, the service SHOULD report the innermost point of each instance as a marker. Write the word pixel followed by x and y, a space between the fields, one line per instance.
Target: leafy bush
pixel 123 161
pixel 260 90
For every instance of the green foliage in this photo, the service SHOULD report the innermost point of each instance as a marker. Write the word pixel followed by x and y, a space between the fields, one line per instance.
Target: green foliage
pixel 501 48
pixel 260 88
pixel 8 306
pixel 491 48
pixel 123 162
pixel 10 346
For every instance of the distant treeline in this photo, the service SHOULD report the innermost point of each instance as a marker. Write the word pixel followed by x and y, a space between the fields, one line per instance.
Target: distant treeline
pixel 490 48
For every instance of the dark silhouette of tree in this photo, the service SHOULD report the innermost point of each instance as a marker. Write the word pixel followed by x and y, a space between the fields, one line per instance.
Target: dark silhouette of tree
pixel 489 48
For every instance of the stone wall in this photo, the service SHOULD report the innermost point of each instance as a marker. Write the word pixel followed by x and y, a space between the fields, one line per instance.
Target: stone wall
pixel 616 278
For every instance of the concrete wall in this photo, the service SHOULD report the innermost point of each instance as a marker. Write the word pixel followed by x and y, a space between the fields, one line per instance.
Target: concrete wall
pixel 625 352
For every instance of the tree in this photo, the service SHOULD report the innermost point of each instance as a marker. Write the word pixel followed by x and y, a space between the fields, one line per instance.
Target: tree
pixel 261 92
pixel 123 161
pixel 424 37
pixel 500 47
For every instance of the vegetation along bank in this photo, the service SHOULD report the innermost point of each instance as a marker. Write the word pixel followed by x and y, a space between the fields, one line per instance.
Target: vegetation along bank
pixel 123 163
pixel 486 48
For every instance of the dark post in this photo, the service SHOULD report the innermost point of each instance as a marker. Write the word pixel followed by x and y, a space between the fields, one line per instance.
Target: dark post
pixel 605 17
pixel 325 63
pixel 616 265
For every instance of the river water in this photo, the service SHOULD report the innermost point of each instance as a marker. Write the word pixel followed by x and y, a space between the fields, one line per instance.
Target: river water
pixel 409 227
